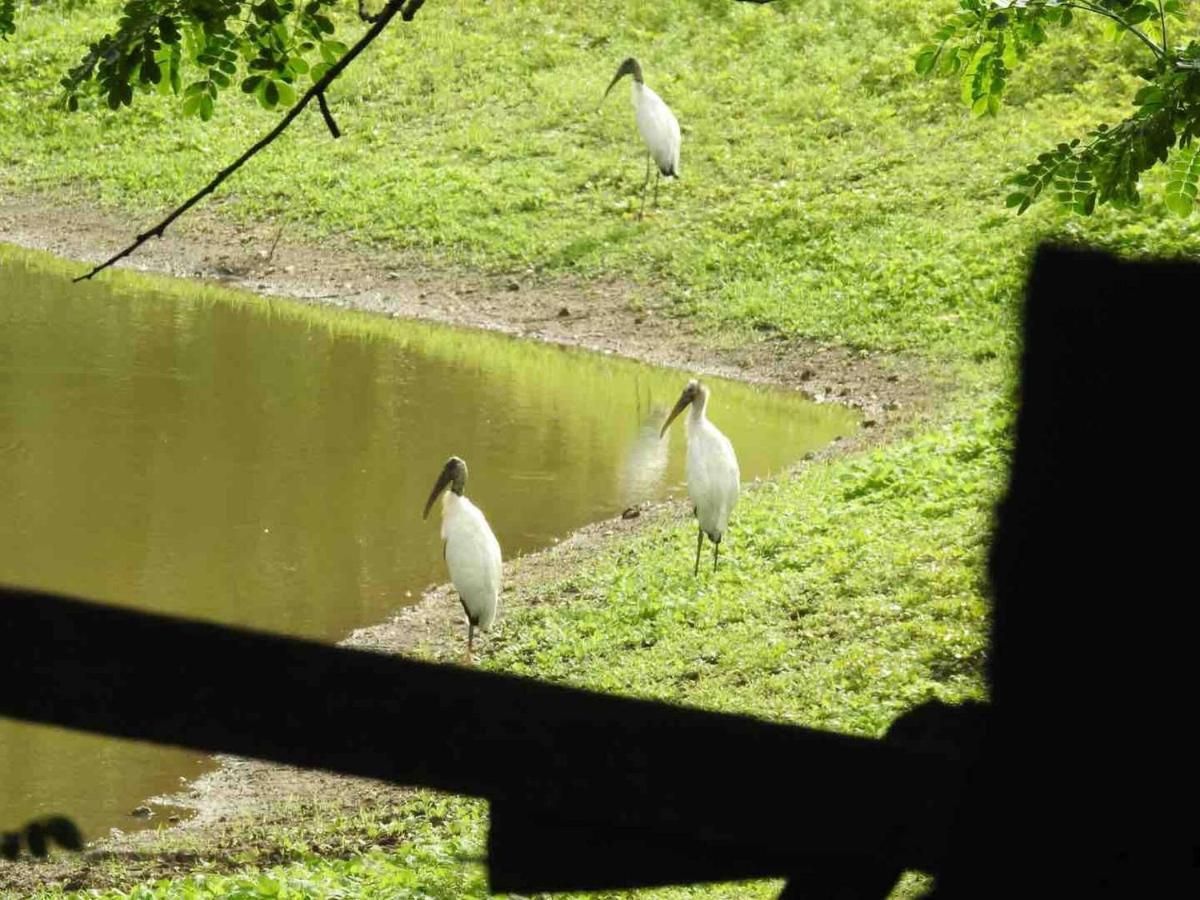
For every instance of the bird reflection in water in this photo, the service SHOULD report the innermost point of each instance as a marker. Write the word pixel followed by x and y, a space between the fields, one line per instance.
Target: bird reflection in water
pixel 644 470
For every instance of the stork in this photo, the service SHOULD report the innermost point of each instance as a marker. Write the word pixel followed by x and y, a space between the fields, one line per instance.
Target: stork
pixel 470 549
pixel 713 478
pixel 657 125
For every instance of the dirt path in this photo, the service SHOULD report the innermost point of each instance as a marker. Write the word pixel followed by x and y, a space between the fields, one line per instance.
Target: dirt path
pixel 237 805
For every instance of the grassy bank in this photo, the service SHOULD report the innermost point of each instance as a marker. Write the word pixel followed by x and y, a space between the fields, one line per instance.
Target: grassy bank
pixel 827 193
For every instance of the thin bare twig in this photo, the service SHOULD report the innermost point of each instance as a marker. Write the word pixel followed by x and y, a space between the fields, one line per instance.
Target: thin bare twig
pixel 328 116
pixel 274 244
pixel 385 16
pixel 1101 11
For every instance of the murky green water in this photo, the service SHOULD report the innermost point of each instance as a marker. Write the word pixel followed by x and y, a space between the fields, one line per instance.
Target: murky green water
pixel 185 449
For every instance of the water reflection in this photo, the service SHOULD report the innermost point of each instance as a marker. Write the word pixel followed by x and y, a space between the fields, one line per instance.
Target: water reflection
pixel 644 471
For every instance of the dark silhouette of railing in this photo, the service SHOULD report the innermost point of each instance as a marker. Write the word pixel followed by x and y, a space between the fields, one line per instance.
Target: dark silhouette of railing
pixel 1042 792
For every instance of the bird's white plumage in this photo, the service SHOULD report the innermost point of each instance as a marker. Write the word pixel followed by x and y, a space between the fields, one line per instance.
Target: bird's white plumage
pixel 472 556
pixel 658 128
pixel 713 478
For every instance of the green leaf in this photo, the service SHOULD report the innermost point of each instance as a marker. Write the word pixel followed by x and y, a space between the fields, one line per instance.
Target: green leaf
pixel 1139 13
pixel 1009 54
pixel 206 107
pixel 973 75
pixel 269 96
pixel 1183 178
pixel 1150 95
pixel 287 93
pixel 168 31
pixel 925 60
pixel 332 51
pixel 950 63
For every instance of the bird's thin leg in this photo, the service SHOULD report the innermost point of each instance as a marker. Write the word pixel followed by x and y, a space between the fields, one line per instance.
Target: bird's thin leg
pixel 646 181
pixel 657 179
pixel 470 641
pixel 716 550
pixel 699 544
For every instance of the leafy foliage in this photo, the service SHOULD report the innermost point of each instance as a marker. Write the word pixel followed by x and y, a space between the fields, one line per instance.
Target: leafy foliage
pixel 985 41
pixel 7 13
pixel 274 44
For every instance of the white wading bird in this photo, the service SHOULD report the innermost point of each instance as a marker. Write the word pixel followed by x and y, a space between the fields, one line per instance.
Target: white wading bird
pixel 657 124
pixel 471 551
pixel 712 469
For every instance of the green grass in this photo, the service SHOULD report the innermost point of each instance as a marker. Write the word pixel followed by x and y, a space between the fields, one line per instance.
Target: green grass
pixel 826 189
pixel 827 192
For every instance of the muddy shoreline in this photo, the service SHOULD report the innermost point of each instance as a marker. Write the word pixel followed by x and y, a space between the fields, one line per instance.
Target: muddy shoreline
pixel 607 316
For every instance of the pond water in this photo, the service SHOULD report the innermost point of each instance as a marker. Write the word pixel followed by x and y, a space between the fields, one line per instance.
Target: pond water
pixel 191 450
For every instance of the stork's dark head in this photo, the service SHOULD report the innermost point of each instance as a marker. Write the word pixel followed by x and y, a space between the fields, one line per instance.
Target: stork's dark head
pixel 694 391
pixel 630 67
pixel 454 476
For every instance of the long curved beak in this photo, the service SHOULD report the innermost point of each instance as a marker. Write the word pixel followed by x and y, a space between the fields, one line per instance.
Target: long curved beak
pixel 621 73
pixel 626 68
pixel 442 483
pixel 680 406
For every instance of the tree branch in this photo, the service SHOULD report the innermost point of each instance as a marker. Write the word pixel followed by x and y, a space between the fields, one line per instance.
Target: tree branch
pixel 316 91
pixel 1101 11
pixel 328 116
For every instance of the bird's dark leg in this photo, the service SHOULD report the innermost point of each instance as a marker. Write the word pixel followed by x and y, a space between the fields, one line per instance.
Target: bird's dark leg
pixel 657 179
pixel 646 181
pixel 716 550
pixel 699 544
pixel 470 641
